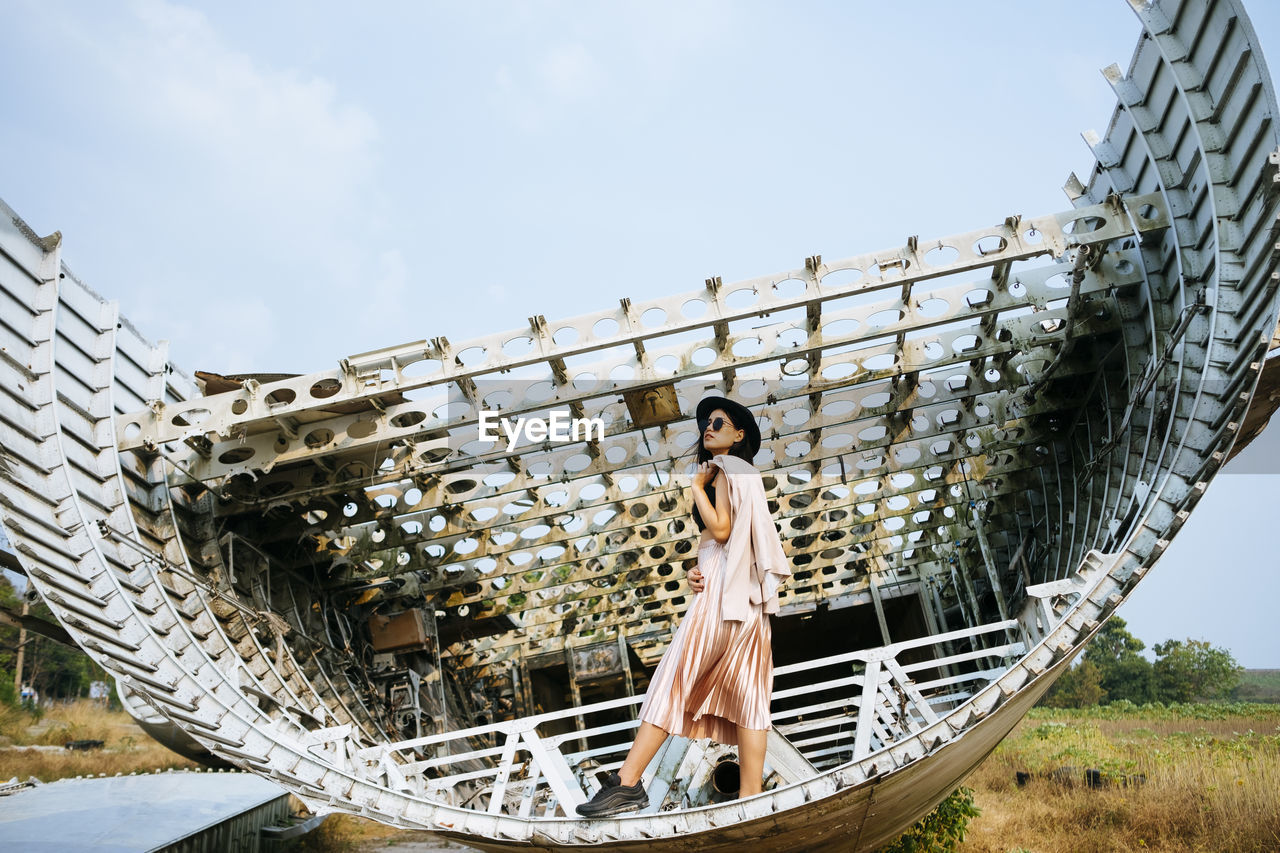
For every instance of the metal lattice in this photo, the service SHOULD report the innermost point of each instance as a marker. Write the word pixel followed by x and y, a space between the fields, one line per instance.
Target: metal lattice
pixel 974 447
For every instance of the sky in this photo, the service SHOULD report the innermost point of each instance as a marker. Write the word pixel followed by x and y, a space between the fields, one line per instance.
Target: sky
pixel 274 186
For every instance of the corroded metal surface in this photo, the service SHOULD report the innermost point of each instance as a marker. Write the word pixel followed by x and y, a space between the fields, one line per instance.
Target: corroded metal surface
pixel 975 446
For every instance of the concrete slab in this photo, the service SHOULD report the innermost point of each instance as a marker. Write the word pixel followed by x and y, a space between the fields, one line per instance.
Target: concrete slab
pixel 127 813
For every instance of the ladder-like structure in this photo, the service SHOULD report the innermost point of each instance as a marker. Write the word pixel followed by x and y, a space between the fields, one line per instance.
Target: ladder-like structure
pixel 975 447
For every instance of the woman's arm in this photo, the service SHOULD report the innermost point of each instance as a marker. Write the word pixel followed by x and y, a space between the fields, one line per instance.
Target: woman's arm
pixel 718 518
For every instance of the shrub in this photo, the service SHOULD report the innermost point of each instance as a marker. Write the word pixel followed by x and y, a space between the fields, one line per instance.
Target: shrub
pixel 940 831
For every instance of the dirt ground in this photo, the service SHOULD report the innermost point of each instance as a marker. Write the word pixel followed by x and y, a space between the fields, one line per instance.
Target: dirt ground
pixel 412 842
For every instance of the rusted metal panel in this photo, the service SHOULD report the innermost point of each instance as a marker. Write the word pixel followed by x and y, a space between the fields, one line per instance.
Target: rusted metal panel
pixel 399 631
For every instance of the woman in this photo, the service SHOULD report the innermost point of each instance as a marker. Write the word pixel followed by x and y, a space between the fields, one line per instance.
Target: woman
pixel 717 675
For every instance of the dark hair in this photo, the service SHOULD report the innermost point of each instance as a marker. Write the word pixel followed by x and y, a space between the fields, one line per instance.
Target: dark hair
pixel 740 449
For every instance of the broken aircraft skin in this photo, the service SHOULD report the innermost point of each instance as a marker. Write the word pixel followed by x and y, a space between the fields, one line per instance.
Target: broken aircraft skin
pixel 975 446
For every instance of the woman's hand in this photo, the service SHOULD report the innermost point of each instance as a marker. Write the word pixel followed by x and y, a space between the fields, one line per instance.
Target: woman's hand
pixel 696 582
pixel 705 475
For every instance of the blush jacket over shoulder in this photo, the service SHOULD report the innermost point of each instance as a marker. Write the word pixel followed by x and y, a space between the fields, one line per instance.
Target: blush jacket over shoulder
pixel 755 564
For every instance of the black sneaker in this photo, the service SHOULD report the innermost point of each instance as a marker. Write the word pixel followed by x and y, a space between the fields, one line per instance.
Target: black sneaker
pixel 615 798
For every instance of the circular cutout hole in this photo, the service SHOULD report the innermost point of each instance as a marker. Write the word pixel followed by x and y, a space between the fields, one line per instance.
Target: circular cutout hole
pixel 840 440
pixel 873 433
pixel 325 388
pixel 460 485
pixel 796 367
pixel 792 337
pixel 789 288
pixel 470 356
pixel 540 391
pixel 836 278
pixel 318 438
pixel 932 307
pixel 797 449
pixel 517 347
pixel 940 256
pixel 653 317
pixel 883 361
pixel 281 396
pixel 992 244
pixel 191 417
pixel 876 400
pixel 236 455
pixel 839 328
pixel 1084 225
pixel 795 416
pixel 421 367
pixel 408 419
pixel 884 318
pixel 240 406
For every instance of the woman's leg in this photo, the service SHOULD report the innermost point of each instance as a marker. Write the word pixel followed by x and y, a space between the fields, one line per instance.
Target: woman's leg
pixel 751 748
pixel 647 743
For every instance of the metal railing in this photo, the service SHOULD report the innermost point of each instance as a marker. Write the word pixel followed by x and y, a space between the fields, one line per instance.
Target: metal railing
pixel 840 708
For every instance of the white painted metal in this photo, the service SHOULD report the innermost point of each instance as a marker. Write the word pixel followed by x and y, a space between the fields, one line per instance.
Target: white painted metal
pixel 1019 445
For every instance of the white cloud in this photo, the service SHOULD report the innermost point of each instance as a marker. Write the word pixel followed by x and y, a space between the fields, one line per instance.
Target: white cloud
pixel 532 90
pixel 258 181
pixel 383 292
pixel 271 135
pixel 570 72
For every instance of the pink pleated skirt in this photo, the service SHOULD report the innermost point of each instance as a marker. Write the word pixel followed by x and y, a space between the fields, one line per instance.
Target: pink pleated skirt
pixel 716 675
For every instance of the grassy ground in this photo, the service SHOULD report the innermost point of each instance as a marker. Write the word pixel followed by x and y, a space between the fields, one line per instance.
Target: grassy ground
pixel 1212 779
pixel 1212 783
pixel 1184 778
pixel 33 746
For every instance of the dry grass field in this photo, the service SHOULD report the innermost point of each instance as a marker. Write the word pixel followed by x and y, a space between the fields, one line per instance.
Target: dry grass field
pixel 1212 783
pixel 1183 778
pixel 1179 779
pixel 31 746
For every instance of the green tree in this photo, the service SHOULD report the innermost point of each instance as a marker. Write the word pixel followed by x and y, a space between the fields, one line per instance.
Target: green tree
pixel 54 670
pixel 1125 673
pixel 1192 670
pixel 1078 687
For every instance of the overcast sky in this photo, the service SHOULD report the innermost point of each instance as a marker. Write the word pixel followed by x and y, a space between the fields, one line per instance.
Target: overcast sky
pixel 273 186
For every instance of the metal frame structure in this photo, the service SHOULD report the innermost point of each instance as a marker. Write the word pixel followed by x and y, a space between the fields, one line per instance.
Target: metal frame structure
pixel 975 445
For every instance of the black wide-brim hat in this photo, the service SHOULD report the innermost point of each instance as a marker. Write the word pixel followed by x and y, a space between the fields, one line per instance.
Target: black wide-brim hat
pixel 738 413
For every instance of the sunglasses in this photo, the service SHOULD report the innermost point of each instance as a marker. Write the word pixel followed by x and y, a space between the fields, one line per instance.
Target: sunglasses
pixel 716 424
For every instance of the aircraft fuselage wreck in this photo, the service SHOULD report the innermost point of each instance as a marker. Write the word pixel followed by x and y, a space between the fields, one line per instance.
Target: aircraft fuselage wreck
pixel 429 586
